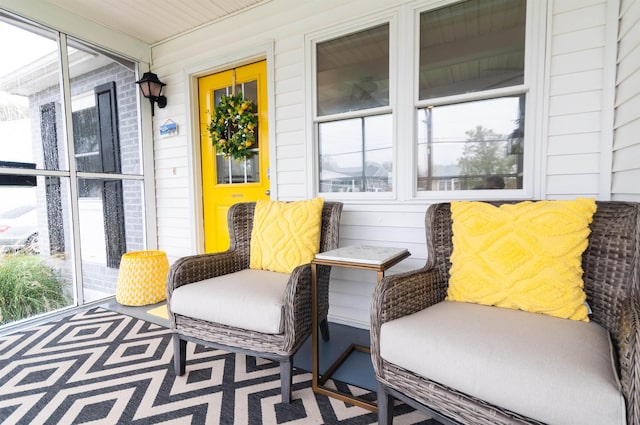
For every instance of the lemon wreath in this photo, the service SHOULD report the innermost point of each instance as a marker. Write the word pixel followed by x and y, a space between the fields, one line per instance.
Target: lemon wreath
pixel 232 127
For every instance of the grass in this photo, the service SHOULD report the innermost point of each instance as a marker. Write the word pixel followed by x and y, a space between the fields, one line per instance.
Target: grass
pixel 28 286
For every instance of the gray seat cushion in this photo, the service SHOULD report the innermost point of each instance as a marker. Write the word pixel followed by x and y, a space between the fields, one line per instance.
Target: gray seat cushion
pixel 248 299
pixel 557 371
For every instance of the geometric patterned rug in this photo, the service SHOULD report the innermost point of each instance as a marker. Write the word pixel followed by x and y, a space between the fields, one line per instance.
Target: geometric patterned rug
pixel 104 367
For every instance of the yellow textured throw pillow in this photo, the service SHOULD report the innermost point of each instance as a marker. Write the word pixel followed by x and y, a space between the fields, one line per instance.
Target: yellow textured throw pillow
pixel 285 234
pixel 525 256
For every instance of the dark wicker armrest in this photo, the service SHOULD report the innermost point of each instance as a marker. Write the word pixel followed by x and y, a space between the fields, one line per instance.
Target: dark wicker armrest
pixel 195 268
pixel 297 302
pixel 400 295
pixel 406 293
pixel 630 357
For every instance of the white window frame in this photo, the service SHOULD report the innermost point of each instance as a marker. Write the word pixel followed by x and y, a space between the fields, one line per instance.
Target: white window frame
pixel 404 27
pixel 533 88
pixel 337 31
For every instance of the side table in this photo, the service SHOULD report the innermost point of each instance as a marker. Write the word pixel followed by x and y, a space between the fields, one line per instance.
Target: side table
pixel 373 258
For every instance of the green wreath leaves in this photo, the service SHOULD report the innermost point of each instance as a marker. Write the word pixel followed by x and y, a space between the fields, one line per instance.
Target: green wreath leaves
pixel 232 127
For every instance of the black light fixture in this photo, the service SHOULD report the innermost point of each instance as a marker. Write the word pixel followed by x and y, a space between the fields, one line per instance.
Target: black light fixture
pixel 151 88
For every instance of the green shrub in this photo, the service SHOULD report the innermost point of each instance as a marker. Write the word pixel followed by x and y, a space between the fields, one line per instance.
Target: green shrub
pixel 28 286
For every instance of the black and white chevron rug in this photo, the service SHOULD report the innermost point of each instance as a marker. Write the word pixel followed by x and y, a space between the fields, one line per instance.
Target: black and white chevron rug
pixel 103 367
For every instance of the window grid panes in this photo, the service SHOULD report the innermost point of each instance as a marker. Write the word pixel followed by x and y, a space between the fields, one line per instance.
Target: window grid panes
pixel 355 153
pixel 455 153
pixel 469 47
pixel 353 71
pixel 37 225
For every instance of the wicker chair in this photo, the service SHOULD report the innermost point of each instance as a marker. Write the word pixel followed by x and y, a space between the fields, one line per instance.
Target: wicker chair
pixel 297 304
pixel 611 267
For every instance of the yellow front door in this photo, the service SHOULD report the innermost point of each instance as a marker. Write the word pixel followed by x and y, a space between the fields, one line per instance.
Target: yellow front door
pixel 228 181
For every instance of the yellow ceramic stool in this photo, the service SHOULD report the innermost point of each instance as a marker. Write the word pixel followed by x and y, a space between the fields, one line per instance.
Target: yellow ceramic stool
pixel 142 278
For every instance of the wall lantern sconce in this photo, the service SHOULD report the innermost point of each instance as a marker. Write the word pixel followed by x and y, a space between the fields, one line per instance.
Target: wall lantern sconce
pixel 151 88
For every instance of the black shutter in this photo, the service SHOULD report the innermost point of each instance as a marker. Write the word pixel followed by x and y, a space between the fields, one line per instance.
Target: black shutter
pixel 113 210
pixel 112 196
pixel 108 127
pixel 49 135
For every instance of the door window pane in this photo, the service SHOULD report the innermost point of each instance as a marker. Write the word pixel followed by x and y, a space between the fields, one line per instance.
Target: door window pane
pixel 246 170
pixel 472 46
pixel 353 71
pixel 473 145
pixel 356 155
pixel 232 170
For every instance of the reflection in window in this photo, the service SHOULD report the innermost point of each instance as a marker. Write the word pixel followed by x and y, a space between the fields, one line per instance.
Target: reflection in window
pixel 356 155
pixel 473 145
pixel 353 71
pixel 472 46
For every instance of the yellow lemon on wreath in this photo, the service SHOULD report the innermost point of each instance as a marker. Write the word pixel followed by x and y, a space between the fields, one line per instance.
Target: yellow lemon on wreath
pixel 250 126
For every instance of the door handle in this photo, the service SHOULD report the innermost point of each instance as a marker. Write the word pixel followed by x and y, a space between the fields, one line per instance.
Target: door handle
pixel 267 192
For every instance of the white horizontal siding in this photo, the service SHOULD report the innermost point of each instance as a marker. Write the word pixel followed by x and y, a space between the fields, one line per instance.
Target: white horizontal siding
pixel 576 83
pixel 573 185
pixel 627 134
pixel 576 144
pixel 567 144
pixel 627 110
pixel 588 163
pixel 629 17
pixel 567 42
pixel 627 159
pixel 393 225
pixel 627 63
pixel 587 101
pixel 575 15
pixel 625 184
pixel 626 148
pixel 627 86
pixel 574 62
pixel 573 123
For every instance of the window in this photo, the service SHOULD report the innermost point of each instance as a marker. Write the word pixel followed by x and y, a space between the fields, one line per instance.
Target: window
pixel 353 113
pixel 43 173
pixel 472 52
pixel 462 117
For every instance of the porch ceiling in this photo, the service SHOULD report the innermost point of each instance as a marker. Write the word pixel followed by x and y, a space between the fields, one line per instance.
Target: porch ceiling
pixel 153 21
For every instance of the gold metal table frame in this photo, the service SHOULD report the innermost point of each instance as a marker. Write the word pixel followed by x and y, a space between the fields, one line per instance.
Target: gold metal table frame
pixel 318 380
